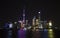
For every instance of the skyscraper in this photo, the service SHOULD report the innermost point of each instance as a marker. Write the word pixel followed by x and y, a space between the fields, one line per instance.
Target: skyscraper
pixel 34 21
pixel 24 16
pixel 39 19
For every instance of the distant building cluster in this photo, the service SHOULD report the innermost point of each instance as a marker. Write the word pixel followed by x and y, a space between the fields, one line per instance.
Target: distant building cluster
pixel 36 23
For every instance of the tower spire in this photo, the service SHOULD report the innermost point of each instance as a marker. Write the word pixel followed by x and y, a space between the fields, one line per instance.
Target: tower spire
pixel 24 15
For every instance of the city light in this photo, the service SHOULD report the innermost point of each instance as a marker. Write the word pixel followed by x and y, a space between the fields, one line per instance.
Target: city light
pixel 41 26
pixel 50 23
pixel 19 21
pixel 33 21
pixel 25 29
pixel 50 30
pixel 29 27
pixel 10 25
pixel 26 22
pixel 37 21
pixel 15 22
pixel 39 12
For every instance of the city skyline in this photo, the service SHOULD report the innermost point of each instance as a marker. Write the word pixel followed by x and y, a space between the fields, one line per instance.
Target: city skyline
pixel 13 10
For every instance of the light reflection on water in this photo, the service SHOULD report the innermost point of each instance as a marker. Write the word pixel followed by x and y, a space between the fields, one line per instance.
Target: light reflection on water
pixel 9 34
pixel 50 33
pixel 47 33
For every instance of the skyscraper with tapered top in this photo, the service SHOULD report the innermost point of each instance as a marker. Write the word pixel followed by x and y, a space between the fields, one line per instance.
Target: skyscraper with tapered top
pixel 24 16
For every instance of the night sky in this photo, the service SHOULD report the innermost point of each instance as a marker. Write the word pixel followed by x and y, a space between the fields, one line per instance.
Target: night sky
pixel 12 10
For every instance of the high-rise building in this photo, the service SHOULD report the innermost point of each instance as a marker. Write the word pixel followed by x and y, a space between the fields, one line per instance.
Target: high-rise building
pixel 26 23
pixel 37 21
pixel 34 21
pixel 24 17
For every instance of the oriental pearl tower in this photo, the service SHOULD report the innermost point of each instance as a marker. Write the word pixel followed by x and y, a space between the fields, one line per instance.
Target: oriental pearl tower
pixel 24 16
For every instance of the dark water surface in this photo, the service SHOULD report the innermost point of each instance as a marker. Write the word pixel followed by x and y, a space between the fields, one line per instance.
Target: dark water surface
pixel 46 33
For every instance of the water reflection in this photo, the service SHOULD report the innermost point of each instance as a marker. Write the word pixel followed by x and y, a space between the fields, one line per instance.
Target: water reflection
pixel 50 33
pixel 45 33
pixel 21 33
pixel 9 34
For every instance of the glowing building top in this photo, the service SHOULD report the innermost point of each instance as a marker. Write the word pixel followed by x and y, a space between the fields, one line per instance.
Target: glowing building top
pixel 24 16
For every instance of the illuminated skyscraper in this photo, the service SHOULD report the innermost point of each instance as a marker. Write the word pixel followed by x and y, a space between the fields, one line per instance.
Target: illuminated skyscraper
pixel 50 24
pixel 34 21
pixel 39 19
pixel 26 22
pixel 24 16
